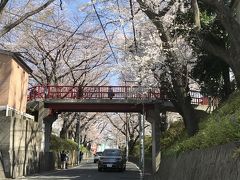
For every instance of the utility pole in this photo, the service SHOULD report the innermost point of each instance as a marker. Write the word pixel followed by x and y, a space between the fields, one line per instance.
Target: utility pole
pixel 142 135
pixel 78 136
pixel 127 139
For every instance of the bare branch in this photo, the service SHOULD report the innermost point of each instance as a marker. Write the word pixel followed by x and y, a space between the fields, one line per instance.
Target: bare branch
pixel 115 125
pixel 3 3
pixel 196 14
pixel 10 26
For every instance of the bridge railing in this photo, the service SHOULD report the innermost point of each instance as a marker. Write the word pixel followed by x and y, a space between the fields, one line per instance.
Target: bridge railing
pixel 197 98
pixel 102 92
pixel 92 92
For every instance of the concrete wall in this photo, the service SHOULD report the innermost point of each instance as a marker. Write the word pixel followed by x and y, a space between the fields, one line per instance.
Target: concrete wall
pixel 18 87
pixel 14 84
pixel 5 71
pixel 21 151
pixel 209 164
pixel 2 173
pixel 20 141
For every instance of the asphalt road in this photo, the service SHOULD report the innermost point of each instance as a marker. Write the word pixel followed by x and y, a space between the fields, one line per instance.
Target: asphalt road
pixel 88 171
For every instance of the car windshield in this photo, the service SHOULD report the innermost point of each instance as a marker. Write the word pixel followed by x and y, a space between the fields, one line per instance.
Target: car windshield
pixel 112 153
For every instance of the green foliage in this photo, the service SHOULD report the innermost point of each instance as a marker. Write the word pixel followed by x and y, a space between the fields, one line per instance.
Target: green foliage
pixel 147 147
pixel 207 18
pixel 58 144
pixel 173 134
pixel 221 127
pixel 209 72
pixel 84 149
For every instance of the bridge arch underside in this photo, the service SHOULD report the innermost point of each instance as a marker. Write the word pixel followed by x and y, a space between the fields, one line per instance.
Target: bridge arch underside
pixel 104 105
pixel 151 109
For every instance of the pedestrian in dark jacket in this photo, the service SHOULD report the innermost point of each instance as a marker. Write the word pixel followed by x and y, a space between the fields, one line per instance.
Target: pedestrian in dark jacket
pixel 80 156
pixel 63 159
pixel 110 92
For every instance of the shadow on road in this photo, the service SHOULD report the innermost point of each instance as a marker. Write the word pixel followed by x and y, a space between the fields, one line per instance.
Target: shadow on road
pixel 88 171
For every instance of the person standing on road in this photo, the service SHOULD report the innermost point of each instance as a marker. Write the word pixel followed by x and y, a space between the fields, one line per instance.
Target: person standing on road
pixel 80 92
pixel 63 159
pixel 110 92
pixel 67 159
pixel 80 156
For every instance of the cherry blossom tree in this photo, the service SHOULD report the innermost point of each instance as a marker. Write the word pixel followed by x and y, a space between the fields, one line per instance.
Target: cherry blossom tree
pixel 63 53
pixel 163 56
pixel 21 12
pixel 121 129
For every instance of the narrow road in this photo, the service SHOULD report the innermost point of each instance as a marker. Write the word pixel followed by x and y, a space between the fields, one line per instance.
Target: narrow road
pixel 88 171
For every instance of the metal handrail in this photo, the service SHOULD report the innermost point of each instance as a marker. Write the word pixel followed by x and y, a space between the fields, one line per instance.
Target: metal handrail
pixel 101 92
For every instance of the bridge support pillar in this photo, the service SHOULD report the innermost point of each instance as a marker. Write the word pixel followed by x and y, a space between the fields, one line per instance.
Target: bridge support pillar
pixel 48 121
pixel 156 153
pixel 153 117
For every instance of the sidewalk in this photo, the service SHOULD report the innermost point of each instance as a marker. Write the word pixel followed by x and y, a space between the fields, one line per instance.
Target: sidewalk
pixel 56 170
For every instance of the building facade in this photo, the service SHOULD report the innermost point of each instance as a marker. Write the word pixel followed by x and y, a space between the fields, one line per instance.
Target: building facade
pixel 14 76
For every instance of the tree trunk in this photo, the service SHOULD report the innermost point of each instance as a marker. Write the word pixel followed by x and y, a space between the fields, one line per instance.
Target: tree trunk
pixel 190 118
pixel 131 146
pixel 178 73
pixel 231 24
pixel 63 134
pixel 182 102
pixel 227 85
pixel 64 130
pixel 77 134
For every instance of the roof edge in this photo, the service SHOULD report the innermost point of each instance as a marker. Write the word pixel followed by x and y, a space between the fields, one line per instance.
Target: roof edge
pixel 18 59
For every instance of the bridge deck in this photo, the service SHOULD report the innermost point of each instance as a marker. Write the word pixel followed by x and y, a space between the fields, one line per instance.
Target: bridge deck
pixel 96 105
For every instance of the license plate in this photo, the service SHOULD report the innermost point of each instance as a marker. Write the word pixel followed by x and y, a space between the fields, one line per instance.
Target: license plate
pixel 109 165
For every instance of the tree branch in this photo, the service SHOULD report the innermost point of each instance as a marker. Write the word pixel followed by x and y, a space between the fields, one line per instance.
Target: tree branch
pixel 227 19
pixel 3 3
pixel 114 125
pixel 196 13
pixel 10 26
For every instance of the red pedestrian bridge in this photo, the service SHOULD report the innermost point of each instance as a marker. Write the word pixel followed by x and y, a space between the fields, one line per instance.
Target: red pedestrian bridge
pixel 98 98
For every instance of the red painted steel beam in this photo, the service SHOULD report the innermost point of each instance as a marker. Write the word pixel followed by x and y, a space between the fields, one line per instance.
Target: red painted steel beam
pixel 79 107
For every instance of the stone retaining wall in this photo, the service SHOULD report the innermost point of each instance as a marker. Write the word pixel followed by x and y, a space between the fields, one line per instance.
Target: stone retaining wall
pixel 147 163
pixel 20 141
pixel 2 174
pixel 21 151
pixel 216 163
